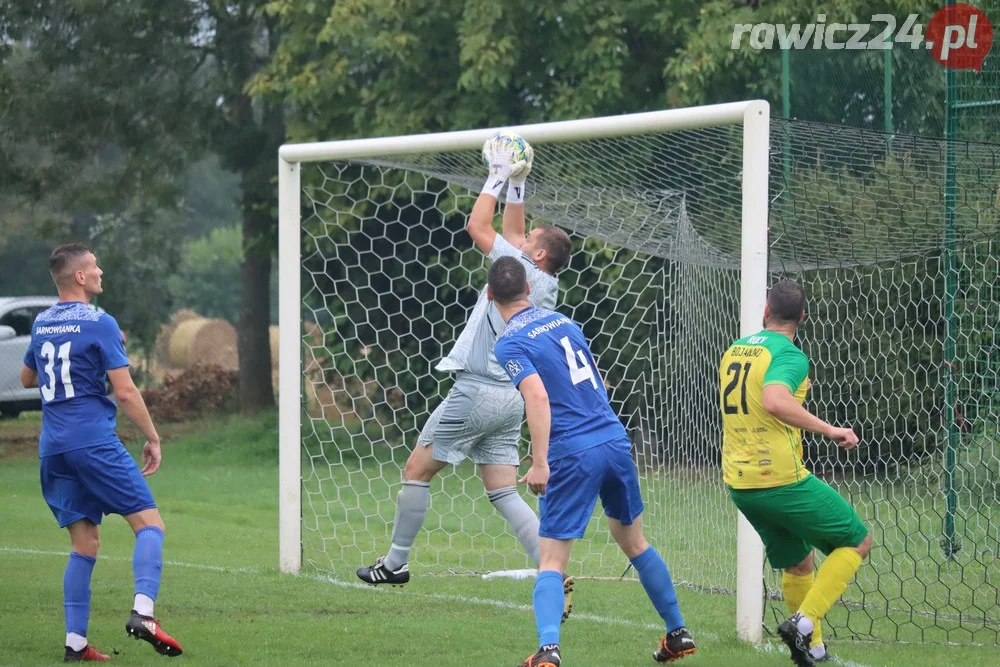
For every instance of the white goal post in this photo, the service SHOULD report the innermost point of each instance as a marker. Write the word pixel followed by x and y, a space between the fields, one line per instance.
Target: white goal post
pixel 753 116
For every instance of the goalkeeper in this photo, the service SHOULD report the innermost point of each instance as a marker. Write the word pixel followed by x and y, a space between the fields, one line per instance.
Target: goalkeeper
pixel 481 416
pixel 763 384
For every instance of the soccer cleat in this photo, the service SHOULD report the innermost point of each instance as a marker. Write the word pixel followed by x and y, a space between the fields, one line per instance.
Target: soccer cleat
pixel 547 656
pixel 380 574
pixel 823 658
pixel 674 646
pixel 87 654
pixel 568 585
pixel 149 630
pixel 797 642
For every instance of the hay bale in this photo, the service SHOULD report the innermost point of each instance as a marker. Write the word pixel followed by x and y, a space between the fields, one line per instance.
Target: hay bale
pixel 204 341
pixel 183 315
pixel 313 337
pixel 161 349
pixel 272 334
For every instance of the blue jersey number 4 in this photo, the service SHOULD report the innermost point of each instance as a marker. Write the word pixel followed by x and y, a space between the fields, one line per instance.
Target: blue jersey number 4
pixel 580 373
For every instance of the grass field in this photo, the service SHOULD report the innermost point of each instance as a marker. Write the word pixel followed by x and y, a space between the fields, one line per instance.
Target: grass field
pixel 224 600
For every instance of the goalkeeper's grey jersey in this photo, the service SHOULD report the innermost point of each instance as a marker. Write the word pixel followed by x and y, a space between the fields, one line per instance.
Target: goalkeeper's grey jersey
pixel 473 351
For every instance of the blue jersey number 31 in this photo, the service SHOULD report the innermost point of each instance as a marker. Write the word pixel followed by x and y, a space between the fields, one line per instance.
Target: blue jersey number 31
pixel 49 354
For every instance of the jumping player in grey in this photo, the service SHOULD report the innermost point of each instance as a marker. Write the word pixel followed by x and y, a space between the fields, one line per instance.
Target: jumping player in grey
pixel 481 416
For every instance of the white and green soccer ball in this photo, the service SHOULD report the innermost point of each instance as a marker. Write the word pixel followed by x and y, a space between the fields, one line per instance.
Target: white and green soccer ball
pixel 506 145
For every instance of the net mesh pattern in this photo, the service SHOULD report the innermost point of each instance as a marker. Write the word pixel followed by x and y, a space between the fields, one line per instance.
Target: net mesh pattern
pixel 904 302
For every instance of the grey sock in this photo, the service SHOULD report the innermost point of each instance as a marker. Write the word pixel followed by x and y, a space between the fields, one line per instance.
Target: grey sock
pixel 522 519
pixel 411 508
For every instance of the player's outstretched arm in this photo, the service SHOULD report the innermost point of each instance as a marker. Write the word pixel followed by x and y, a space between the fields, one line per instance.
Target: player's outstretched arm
pixel 779 401
pixel 480 223
pixel 539 414
pixel 513 222
pixel 514 227
pixel 131 403
pixel 497 155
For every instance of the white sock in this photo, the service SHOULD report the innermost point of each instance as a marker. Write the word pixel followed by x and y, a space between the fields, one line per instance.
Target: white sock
pixel 75 641
pixel 143 604
pixel 818 651
pixel 804 624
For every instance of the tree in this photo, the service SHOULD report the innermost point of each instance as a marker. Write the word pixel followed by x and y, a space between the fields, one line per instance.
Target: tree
pixel 106 102
pixel 94 142
pixel 832 86
pixel 247 136
pixel 366 67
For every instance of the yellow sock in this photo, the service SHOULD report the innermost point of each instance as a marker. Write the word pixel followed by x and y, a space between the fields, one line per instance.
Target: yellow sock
pixel 795 588
pixel 836 572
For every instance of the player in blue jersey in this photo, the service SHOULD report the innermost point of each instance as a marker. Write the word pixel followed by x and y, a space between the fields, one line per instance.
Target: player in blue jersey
pixel 85 471
pixel 580 451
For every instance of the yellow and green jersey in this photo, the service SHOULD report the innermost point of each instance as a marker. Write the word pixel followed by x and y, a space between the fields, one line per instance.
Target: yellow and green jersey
pixel 758 450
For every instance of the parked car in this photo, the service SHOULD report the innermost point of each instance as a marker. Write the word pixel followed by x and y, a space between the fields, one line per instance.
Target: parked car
pixel 17 314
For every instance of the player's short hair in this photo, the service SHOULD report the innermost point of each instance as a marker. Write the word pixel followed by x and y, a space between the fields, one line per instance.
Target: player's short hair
pixel 507 280
pixel 787 300
pixel 63 259
pixel 556 244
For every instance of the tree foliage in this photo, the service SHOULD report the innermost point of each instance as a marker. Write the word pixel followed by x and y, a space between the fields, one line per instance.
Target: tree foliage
pixel 831 86
pixel 365 67
pixel 105 105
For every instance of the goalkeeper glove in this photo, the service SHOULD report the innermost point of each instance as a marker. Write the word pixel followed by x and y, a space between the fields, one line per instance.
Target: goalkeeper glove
pixel 518 175
pixel 498 156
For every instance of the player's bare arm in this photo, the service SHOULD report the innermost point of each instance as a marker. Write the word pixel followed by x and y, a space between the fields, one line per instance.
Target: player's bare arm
pixel 514 227
pixel 513 223
pixel 502 154
pixel 539 414
pixel 29 377
pixel 480 223
pixel 779 401
pixel 131 403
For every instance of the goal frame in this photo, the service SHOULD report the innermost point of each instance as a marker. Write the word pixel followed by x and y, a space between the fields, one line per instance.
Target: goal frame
pixel 752 115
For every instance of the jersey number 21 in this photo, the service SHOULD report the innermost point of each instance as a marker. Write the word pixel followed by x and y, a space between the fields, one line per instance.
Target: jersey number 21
pixel 735 369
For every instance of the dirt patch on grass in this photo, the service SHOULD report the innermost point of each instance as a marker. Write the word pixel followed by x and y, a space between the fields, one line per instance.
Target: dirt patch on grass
pixel 19 437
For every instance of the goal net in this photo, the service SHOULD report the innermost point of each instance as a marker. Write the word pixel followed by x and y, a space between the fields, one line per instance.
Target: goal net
pixel 668 213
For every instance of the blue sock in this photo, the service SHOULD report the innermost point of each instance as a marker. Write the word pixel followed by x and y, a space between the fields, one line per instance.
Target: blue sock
pixel 147 561
pixel 655 578
pixel 76 592
pixel 549 599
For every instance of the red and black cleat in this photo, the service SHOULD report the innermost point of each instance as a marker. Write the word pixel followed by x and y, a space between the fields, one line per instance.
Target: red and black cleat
pixel 674 646
pixel 547 656
pixel 87 654
pixel 149 629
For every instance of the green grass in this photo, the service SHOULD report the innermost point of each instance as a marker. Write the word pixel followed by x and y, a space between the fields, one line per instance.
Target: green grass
pixel 223 598
pixel 907 591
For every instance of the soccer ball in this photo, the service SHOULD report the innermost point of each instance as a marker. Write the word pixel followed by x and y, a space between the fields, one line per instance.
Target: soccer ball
pixel 505 144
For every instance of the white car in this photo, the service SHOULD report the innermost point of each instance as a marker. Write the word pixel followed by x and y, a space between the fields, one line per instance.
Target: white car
pixel 17 314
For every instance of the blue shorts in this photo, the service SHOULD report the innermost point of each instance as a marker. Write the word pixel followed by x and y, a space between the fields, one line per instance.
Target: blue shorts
pixel 93 481
pixel 576 481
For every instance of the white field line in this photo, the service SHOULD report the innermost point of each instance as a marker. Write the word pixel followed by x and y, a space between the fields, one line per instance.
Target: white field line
pixel 173 563
pixel 448 597
pixel 776 647
pixel 765 647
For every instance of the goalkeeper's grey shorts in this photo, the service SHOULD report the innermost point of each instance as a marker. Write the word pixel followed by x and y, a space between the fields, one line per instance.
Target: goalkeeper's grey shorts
pixel 479 419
